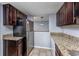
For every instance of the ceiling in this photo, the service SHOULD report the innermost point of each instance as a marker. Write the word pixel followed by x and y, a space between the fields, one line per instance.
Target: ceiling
pixel 37 8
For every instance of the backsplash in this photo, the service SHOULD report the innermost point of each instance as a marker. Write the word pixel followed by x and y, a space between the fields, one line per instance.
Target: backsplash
pixel 64 35
pixel 7 30
pixel 72 30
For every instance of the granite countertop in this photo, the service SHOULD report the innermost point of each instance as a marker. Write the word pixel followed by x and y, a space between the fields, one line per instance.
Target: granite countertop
pixel 68 45
pixel 11 37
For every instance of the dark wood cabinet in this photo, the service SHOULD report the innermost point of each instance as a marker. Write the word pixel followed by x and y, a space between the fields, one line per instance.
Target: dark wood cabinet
pixel 13 48
pixel 20 15
pixel 76 12
pixel 24 48
pixel 76 9
pixel 11 15
pixel 14 18
pixel 62 16
pixel 69 9
pixel 58 18
pixel 67 14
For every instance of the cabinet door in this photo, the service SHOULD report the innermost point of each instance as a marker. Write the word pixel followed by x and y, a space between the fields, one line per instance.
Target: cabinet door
pixel 9 48
pixel 62 13
pixel 61 16
pixel 5 14
pixel 66 14
pixel 14 16
pixel 12 48
pixel 69 9
pixel 10 15
pixel 12 51
pixel 57 18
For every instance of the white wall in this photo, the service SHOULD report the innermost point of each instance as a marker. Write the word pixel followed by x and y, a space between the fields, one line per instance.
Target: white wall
pixel 39 36
pixel 41 26
pixel 52 24
pixel 1 53
pixel 3 29
pixel 42 39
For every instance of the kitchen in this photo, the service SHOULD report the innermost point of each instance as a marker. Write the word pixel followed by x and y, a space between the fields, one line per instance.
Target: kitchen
pixel 53 27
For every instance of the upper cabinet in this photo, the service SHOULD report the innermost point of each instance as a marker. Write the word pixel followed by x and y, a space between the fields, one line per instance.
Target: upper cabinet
pixel 11 15
pixel 68 14
pixel 76 9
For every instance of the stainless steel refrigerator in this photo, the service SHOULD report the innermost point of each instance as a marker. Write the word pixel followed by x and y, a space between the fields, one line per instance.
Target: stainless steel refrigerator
pixel 25 29
pixel 29 36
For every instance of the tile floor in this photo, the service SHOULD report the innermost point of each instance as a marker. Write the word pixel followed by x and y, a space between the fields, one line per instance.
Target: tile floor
pixel 40 52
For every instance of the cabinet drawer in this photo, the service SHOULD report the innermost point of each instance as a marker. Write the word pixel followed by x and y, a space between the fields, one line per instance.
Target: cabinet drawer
pixel 11 43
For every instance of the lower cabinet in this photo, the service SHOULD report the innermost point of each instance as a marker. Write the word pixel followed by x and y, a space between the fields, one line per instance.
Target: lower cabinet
pixel 12 48
pixel 57 51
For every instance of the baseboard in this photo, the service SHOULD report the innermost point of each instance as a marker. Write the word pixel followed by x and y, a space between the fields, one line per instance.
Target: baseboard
pixel 41 47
